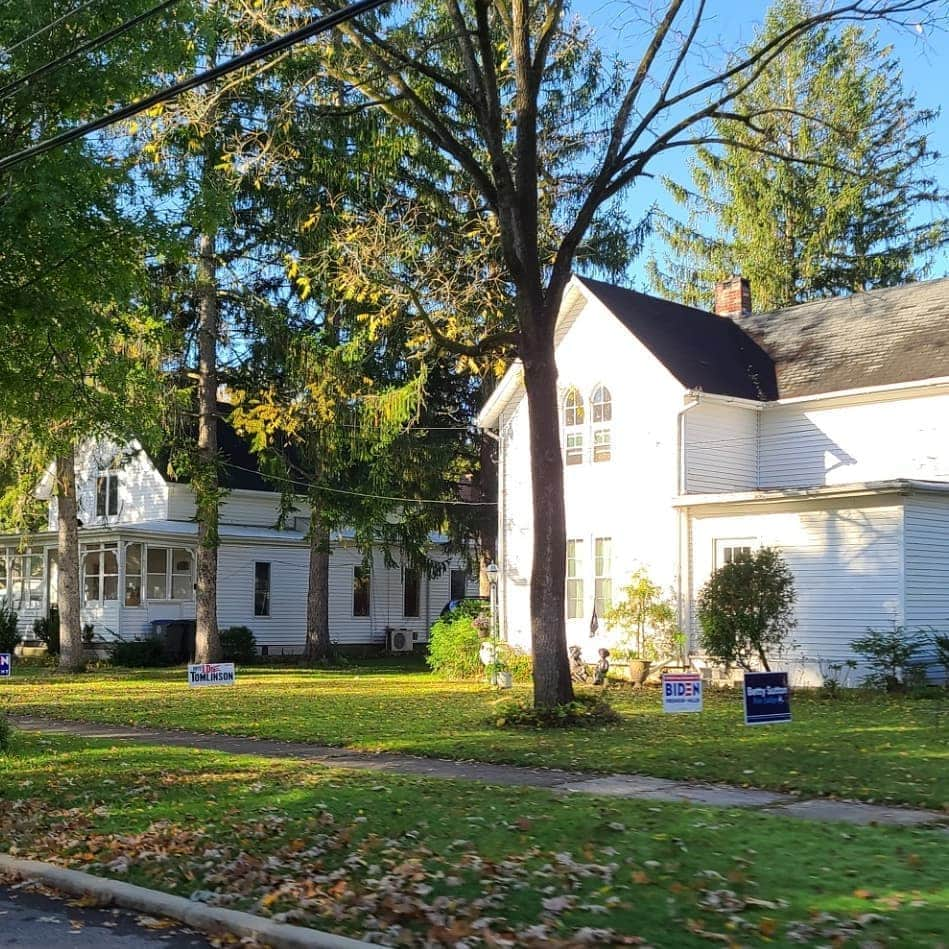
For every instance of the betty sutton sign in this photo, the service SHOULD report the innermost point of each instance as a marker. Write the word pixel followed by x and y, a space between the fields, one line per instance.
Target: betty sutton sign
pixel 5 665
pixel 211 673
pixel 682 692
pixel 767 698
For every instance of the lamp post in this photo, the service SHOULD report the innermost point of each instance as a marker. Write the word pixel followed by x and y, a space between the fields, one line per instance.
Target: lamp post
pixel 493 572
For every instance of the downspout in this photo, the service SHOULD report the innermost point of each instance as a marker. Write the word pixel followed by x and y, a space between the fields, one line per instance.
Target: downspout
pixel 683 573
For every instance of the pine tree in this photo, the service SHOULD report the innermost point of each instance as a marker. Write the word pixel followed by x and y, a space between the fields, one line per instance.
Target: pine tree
pixel 847 213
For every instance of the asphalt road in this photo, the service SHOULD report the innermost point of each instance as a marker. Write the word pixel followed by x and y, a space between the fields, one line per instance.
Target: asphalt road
pixel 30 919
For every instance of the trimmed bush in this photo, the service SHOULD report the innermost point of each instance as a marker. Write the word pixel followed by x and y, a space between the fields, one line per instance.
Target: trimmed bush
pixel 9 634
pixel 455 641
pixel 584 710
pixel 746 610
pixel 46 630
pixel 138 653
pixel 238 645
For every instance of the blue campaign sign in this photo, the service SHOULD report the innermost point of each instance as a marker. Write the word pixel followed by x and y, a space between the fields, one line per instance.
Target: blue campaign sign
pixel 4 665
pixel 767 698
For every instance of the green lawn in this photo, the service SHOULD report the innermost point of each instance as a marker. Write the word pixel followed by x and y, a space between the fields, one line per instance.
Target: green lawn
pixel 356 852
pixel 863 745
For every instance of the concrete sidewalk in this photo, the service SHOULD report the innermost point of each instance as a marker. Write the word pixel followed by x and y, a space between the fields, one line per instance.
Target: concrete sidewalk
pixel 565 782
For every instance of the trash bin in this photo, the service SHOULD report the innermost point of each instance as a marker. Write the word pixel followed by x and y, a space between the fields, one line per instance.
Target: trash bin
pixel 169 633
pixel 188 633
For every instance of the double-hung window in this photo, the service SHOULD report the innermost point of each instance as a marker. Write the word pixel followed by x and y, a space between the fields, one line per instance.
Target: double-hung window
pixel 730 550
pixel 107 493
pixel 261 589
pixel 601 411
pixel 574 579
pixel 169 573
pixel 602 574
pixel 100 573
pixel 573 424
pixel 361 585
pixel 411 591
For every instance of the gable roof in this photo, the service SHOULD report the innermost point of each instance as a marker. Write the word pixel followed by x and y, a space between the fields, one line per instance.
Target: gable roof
pixel 882 337
pixel 703 351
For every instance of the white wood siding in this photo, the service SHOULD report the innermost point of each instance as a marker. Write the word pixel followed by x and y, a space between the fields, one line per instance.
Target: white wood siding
pixel 248 508
pixel 861 440
pixel 720 445
pixel 627 499
pixel 847 564
pixel 143 493
pixel 927 567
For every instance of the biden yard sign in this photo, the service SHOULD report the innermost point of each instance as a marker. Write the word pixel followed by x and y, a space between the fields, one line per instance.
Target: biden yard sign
pixel 5 665
pixel 211 673
pixel 767 698
pixel 682 692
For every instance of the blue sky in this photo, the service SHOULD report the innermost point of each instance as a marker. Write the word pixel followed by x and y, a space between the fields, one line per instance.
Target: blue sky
pixel 731 23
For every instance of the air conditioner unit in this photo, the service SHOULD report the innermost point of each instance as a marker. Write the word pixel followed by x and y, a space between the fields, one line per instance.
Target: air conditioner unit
pixel 400 640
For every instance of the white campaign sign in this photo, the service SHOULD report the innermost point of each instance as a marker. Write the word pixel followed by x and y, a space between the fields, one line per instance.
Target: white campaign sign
pixel 682 692
pixel 211 673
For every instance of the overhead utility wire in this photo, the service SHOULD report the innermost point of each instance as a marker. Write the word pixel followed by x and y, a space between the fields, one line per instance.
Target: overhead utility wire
pixel 49 26
pixel 320 25
pixel 89 45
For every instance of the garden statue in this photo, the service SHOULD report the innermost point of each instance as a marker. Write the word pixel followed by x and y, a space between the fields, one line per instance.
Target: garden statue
pixel 602 667
pixel 578 670
pixel 488 654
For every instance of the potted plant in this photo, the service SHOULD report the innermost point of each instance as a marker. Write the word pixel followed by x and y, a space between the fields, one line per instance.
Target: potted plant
pixel 502 676
pixel 647 617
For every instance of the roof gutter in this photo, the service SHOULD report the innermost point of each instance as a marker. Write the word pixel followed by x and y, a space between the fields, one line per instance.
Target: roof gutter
pixel 939 382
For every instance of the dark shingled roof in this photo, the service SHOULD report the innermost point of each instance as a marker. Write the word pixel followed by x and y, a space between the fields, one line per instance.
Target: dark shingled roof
pixel 900 334
pixel 883 337
pixel 240 469
pixel 703 351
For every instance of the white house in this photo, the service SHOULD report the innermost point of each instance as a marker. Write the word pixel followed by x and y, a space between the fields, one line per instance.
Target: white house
pixel 137 544
pixel 822 430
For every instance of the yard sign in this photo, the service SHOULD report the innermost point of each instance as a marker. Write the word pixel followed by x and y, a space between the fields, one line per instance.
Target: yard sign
pixel 211 673
pixel 682 692
pixel 767 698
pixel 5 665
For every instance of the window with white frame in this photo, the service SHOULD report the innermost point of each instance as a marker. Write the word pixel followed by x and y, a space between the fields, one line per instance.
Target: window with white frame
pixel 574 579
pixel 169 573
pixel 100 573
pixel 602 574
pixel 21 578
pixel 732 549
pixel 601 414
pixel 107 493
pixel 411 591
pixel 457 584
pixel 361 585
pixel 573 424
pixel 261 589
pixel 133 574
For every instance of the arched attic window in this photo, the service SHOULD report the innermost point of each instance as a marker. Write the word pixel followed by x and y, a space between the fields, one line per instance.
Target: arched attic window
pixel 601 410
pixel 573 419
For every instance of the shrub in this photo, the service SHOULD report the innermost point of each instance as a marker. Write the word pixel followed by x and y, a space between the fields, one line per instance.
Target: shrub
pixel 889 655
pixel 746 610
pixel 940 642
pixel 519 663
pixel 4 732
pixel 583 710
pixel 238 645
pixel 46 630
pixel 9 634
pixel 138 653
pixel 455 641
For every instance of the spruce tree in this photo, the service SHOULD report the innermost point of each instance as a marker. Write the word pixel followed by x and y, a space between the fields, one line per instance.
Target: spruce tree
pixel 808 209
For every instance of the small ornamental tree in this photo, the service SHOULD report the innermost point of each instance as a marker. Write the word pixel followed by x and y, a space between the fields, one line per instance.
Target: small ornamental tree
pixel 746 610
pixel 647 616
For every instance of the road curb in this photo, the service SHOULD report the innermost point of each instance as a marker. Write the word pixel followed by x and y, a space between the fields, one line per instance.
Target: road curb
pixel 206 919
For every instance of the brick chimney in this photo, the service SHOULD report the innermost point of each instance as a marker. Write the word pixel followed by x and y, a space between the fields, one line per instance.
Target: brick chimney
pixel 733 297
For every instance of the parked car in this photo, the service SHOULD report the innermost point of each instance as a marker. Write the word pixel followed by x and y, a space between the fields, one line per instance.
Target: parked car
pixel 472 604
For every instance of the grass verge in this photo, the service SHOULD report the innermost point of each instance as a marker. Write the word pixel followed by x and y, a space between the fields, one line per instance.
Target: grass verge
pixel 863 745
pixel 404 860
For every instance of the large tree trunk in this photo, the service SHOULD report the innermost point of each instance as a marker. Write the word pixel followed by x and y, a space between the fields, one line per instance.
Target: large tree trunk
pixel 552 684
pixel 318 646
pixel 70 624
pixel 205 481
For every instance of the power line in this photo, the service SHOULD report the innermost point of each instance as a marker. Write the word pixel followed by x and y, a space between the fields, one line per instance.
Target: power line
pixel 358 494
pixel 89 45
pixel 320 25
pixel 48 27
